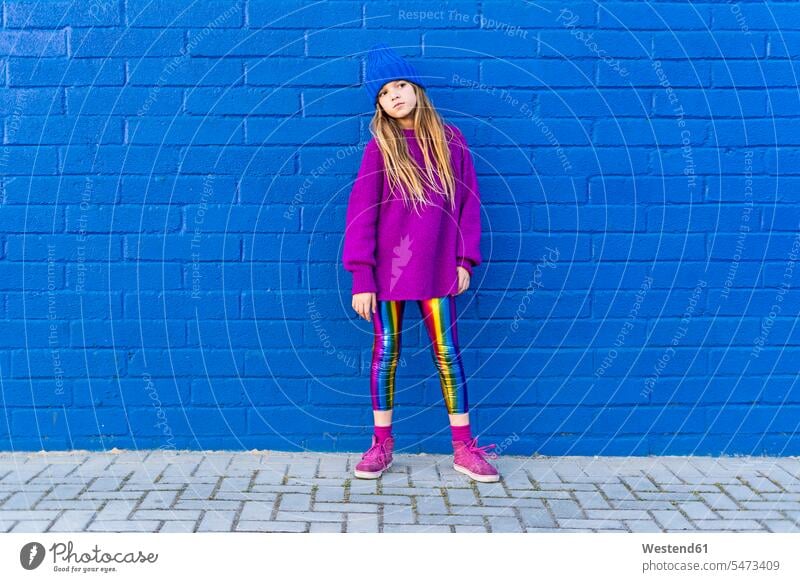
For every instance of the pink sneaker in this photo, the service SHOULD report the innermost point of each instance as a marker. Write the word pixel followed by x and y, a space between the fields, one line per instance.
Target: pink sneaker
pixel 376 460
pixel 469 459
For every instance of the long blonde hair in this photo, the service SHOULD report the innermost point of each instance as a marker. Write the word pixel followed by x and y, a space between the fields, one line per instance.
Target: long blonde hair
pixel 402 170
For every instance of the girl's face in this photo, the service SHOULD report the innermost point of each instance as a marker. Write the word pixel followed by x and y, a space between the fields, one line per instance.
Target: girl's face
pixel 397 98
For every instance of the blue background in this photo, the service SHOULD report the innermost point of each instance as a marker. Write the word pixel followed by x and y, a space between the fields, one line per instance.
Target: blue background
pixel 175 179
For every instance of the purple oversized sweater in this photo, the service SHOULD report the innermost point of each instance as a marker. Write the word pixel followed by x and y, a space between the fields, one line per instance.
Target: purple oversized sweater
pixel 398 253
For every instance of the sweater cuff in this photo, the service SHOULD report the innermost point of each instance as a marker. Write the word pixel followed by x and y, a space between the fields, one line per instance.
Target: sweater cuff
pixel 467 264
pixel 364 281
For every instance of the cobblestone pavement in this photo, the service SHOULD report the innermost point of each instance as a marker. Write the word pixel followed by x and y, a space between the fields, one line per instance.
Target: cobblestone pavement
pixel 188 491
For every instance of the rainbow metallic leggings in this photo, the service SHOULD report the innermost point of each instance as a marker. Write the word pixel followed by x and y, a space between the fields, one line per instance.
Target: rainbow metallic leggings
pixel 439 316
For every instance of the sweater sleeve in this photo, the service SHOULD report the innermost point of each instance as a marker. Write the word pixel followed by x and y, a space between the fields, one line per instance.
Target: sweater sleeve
pixel 361 221
pixel 468 251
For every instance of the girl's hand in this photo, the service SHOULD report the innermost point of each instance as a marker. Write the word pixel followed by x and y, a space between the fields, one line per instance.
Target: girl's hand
pixel 364 304
pixel 463 280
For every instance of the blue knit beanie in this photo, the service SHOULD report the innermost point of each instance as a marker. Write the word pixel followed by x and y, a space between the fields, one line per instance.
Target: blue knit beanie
pixel 384 65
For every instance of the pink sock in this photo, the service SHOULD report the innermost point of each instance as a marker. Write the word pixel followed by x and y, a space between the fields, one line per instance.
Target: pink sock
pixel 382 432
pixel 461 433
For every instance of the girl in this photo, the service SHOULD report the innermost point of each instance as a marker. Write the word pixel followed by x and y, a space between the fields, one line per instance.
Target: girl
pixel 413 233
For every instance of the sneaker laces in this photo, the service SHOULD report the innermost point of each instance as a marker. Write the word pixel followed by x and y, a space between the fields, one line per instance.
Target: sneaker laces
pixel 473 447
pixel 381 445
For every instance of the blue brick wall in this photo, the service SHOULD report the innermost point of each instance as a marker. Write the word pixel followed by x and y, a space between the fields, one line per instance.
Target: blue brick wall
pixel 175 177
